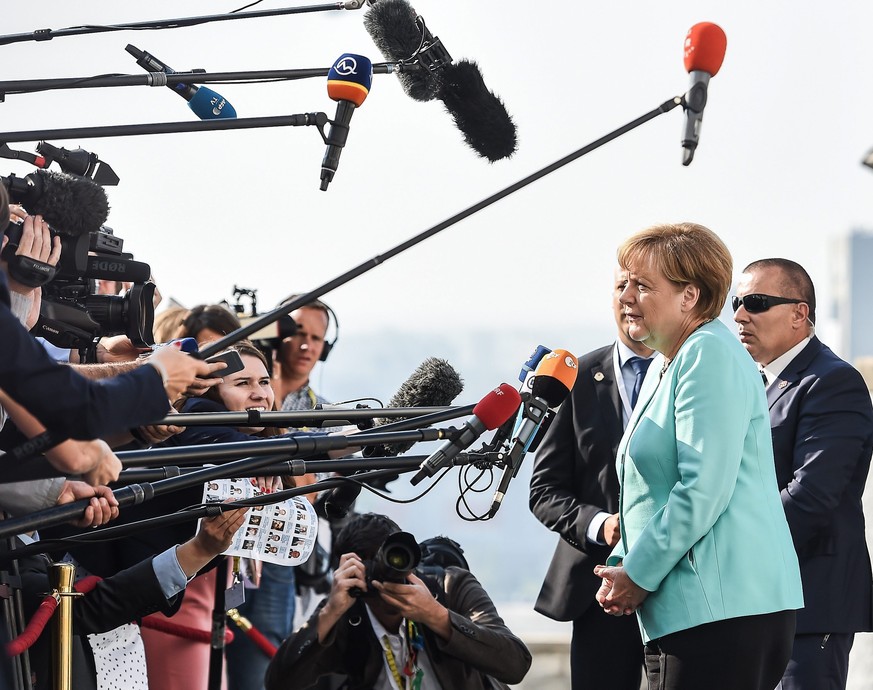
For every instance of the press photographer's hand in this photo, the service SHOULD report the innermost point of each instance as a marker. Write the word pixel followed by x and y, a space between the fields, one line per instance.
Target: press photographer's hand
pixel 351 574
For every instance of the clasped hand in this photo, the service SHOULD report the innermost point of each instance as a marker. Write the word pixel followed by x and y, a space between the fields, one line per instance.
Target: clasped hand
pixel 618 594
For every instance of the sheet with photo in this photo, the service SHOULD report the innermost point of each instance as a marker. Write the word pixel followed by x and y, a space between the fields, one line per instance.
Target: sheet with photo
pixel 282 533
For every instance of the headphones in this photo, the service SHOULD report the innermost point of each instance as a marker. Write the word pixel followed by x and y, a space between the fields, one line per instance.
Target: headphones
pixel 328 344
pixel 331 316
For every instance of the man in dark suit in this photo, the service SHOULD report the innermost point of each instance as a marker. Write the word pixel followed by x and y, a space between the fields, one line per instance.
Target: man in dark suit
pixel 574 492
pixel 822 423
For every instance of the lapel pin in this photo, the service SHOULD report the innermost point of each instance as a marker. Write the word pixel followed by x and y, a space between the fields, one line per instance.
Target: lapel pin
pixel 782 384
pixel 598 376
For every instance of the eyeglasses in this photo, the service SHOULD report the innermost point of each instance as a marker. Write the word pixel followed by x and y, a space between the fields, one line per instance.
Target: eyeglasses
pixel 755 304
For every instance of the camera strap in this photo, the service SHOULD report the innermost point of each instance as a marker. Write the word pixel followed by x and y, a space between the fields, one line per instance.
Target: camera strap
pixel 30 272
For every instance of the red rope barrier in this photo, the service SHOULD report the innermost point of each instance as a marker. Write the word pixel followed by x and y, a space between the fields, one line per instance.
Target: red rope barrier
pixel 43 615
pixel 156 622
pixel 159 622
pixel 256 636
pixel 34 628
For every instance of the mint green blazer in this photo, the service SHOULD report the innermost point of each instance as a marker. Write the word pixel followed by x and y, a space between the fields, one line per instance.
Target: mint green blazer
pixel 702 524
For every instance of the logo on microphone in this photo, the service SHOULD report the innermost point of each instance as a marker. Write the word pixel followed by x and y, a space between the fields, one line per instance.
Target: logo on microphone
pixel 570 361
pixel 346 66
pixel 218 104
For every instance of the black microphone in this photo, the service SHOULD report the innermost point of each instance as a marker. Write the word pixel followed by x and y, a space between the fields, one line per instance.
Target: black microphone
pixel 348 83
pixel 426 71
pixel 116 268
pixel 705 45
pixel 487 127
pixel 490 412
pixel 552 382
pixel 338 501
pixel 435 383
pixel 205 103
pixel 70 204
pixel 400 34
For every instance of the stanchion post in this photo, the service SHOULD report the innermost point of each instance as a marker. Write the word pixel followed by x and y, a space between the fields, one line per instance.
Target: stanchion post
pixel 61 576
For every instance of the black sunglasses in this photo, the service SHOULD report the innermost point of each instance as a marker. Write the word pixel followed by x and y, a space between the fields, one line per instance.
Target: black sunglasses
pixel 755 304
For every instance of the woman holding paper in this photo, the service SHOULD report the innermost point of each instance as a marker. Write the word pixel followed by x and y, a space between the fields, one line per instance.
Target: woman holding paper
pixel 181 664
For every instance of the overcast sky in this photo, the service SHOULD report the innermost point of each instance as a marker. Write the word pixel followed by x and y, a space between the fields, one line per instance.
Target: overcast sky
pixel 777 171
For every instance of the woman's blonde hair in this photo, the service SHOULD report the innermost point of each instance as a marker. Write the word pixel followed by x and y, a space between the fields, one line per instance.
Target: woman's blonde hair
pixel 685 253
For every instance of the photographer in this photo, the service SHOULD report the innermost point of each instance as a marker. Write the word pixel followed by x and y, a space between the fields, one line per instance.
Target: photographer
pixel 437 632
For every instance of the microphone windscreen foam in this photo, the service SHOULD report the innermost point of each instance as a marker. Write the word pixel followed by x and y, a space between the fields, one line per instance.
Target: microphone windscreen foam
pixel 435 383
pixel 498 406
pixel 705 46
pixel 70 204
pixel 555 377
pixel 209 105
pixel 391 25
pixel 350 78
pixel 480 115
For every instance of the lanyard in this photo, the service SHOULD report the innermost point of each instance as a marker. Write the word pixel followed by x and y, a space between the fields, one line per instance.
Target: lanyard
pixel 413 642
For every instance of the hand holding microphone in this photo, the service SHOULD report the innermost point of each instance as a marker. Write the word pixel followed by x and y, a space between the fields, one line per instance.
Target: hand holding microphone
pixel 705 46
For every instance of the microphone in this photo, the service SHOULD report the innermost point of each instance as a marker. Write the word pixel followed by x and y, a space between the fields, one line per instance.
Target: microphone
pixel 348 83
pixel 73 205
pixel 426 72
pixel 552 382
pixel 115 268
pixel 393 26
pixel 487 127
pixel 532 362
pixel 435 383
pixel 338 501
pixel 490 412
pixel 705 45
pixel 205 103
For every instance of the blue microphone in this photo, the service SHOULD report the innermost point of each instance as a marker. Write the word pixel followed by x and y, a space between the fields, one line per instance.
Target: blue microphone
pixel 205 103
pixel 348 83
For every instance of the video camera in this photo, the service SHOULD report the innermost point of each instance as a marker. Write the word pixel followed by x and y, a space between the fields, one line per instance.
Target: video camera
pixel 400 555
pixel 72 315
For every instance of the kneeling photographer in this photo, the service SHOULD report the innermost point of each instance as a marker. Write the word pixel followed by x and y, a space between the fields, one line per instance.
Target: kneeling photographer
pixel 440 630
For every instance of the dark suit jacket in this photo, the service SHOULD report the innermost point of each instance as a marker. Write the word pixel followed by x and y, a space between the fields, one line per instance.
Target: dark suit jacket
pixel 573 479
pixel 127 596
pixel 822 422
pixel 69 404
pixel 480 644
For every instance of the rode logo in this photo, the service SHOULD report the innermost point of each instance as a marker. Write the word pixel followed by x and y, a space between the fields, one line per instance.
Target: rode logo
pixel 108 266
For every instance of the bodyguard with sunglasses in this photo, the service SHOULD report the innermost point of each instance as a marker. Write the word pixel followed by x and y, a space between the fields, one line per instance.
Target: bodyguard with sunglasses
pixel 822 423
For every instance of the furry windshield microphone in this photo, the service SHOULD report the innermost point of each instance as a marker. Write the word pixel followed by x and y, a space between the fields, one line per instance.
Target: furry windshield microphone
pixel 426 72
pixel 70 204
pixel 391 24
pixel 480 115
pixel 435 383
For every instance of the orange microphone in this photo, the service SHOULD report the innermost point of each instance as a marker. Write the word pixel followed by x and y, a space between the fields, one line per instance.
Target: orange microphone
pixel 551 384
pixel 705 46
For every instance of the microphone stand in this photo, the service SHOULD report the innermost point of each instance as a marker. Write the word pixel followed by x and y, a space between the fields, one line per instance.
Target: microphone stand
pixel 287 467
pixel 46 440
pixel 22 86
pixel 49 34
pixel 38 467
pixel 299 120
pixel 135 494
pixel 212 509
pixel 309 418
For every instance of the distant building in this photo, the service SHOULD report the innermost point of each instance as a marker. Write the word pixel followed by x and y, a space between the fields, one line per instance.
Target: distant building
pixel 851 283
